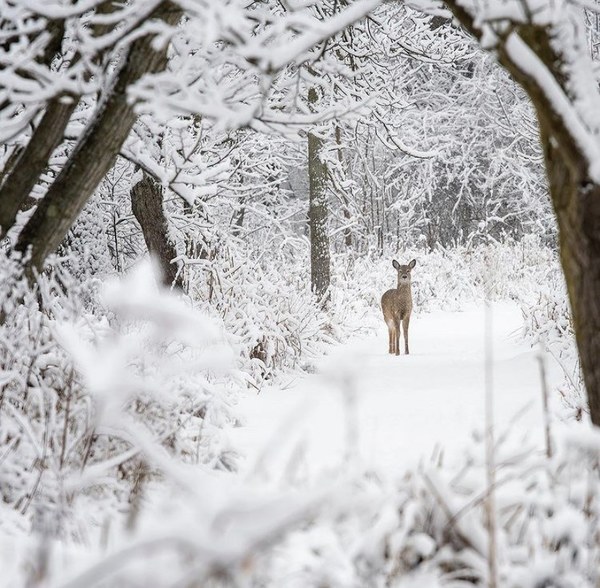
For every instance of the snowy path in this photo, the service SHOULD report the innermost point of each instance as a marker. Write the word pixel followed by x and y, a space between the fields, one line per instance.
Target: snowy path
pixel 405 405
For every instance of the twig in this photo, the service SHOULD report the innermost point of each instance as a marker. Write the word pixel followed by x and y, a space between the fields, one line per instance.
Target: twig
pixel 452 519
pixel 490 466
pixel 546 411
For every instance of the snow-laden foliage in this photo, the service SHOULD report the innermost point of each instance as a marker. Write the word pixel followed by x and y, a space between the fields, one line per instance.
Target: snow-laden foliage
pixel 265 304
pixel 548 324
pixel 429 528
pixel 453 278
pixel 85 396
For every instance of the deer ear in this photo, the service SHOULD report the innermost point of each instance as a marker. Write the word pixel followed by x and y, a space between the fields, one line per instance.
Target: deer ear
pixel 412 264
pixel 395 264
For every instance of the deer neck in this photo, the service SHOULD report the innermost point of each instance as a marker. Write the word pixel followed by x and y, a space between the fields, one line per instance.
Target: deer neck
pixel 403 287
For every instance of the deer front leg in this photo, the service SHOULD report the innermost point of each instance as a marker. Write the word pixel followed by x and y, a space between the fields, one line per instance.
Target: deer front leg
pixel 405 323
pixel 397 338
pixel 390 337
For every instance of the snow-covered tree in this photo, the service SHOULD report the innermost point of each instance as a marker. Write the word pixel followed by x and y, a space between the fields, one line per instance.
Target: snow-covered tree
pixel 76 78
pixel 544 46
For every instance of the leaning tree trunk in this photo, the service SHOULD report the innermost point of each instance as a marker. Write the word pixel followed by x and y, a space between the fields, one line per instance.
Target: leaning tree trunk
pixel 22 174
pixel 33 159
pixel 535 58
pixel 577 207
pixel 318 213
pixel 95 154
pixel 147 207
pixel 576 202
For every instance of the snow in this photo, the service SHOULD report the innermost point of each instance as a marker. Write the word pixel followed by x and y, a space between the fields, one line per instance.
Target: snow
pixel 407 407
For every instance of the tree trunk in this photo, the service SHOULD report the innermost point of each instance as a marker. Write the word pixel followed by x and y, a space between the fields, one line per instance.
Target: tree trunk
pixel 575 196
pixel 317 215
pixel 577 208
pixel 95 153
pixel 576 201
pixel 33 160
pixel 147 207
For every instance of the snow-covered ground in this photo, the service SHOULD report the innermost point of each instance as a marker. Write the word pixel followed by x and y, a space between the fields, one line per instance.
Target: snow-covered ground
pixel 406 407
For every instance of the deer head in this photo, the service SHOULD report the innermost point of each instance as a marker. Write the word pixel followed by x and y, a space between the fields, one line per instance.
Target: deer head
pixel 404 271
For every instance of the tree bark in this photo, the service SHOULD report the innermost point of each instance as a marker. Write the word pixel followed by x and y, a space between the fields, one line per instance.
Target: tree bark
pixel 21 175
pixel 147 207
pixel 95 153
pixel 575 195
pixel 577 207
pixel 32 161
pixel 318 213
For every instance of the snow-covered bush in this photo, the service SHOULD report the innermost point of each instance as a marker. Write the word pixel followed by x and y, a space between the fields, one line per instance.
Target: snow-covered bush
pixel 452 279
pixel 430 527
pixel 85 396
pixel 548 324
pixel 427 528
pixel 266 305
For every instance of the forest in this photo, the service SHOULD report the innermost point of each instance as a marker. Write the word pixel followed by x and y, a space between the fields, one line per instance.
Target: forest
pixel 201 205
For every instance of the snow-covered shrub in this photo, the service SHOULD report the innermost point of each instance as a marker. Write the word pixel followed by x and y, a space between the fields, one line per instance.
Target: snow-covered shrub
pixel 451 279
pixel 267 307
pixel 84 395
pixel 85 250
pixel 430 527
pixel 548 324
pixel 426 529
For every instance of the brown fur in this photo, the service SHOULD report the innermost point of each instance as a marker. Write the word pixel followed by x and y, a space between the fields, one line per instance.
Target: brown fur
pixel 397 306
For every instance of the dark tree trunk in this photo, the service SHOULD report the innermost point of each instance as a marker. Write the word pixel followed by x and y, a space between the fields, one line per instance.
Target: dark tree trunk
pixel 576 201
pixel 317 219
pixel 575 196
pixel 318 215
pixel 10 162
pixel 147 207
pixel 95 154
pixel 238 218
pixel 27 170
pixel 577 207
pixel 24 172
pixel 33 159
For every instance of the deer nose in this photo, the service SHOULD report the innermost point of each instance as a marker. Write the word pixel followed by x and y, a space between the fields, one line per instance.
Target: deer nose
pixel 404 276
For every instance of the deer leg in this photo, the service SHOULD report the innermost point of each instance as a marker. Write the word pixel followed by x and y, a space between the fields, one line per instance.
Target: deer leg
pixel 405 323
pixel 390 327
pixel 397 338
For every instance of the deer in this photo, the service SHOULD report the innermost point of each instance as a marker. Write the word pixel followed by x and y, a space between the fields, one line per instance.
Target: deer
pixel 397 306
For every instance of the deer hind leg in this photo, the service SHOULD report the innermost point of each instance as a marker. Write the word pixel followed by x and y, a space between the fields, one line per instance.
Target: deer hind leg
pixel 405 323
